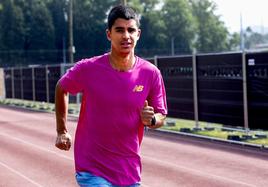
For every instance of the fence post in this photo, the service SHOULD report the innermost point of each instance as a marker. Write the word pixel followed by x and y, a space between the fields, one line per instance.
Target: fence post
pixel 155 61
pixel 21 84
pixel 33 84
pixel 47 83
pixel 195 90
pixel 2 84
pixel 62 69
pixel 12 83
pixel 245 95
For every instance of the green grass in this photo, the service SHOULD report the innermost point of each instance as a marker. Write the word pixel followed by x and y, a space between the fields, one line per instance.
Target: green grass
pixel 217 131
pixel 214 133
pixel 36 105
pixel 259 141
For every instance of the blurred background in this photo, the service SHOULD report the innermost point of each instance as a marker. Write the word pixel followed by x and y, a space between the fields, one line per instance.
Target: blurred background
pixel 64 31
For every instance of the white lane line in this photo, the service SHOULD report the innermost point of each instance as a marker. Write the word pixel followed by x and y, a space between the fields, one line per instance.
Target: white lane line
pixel 198 172
pixel 20 174
pixel 40 148
pixel 35 146
pixel 143 185
pixel 146 157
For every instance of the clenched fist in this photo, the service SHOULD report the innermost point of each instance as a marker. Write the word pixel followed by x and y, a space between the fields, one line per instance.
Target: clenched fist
pixel 64 141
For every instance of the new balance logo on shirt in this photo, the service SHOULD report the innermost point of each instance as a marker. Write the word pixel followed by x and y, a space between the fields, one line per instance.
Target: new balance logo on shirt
pixel 138 88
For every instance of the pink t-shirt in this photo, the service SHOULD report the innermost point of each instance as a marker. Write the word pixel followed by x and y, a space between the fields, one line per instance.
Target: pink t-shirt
pixel 110 131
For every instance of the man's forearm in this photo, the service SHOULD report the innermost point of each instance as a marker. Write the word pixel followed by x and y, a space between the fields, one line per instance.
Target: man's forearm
pixel 61 109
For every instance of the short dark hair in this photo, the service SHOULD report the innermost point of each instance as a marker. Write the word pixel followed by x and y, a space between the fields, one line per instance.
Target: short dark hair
pixel 122 11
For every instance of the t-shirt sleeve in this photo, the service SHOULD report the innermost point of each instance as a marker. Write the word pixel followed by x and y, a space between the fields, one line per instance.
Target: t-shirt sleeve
pixel 157 95
pixel 72 81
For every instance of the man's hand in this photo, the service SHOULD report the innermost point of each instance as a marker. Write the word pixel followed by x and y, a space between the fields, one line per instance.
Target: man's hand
pixel 64 141
pixel 147 114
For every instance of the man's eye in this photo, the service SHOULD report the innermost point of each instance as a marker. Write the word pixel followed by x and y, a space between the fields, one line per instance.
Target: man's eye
pixel 131 30
pixel 120 30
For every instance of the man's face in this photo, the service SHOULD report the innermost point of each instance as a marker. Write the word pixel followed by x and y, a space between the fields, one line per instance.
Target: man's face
pixel 123 35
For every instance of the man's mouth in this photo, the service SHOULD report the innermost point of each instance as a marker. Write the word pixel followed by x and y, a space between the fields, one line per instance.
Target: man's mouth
pixel 126 44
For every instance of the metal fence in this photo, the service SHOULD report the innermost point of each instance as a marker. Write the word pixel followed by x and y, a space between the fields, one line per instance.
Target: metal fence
pixel 226 88
pixel 36 83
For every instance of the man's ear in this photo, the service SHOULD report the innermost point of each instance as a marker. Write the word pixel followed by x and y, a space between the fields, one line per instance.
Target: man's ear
pixel 139 33
pixel 108 34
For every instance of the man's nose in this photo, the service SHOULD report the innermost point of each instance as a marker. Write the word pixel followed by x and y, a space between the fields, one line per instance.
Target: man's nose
pixel 126 34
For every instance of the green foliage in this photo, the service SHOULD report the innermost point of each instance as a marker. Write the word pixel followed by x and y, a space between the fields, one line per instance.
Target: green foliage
pixel 153 38
pixel 90 25
pixel 1 25
pixel 179 25
pixel 12 25
pixel 234 41
pixel 211 32
pixel 26 25
pixel 36 31
pixel 38 24
pixel 253 38
pixel 58 10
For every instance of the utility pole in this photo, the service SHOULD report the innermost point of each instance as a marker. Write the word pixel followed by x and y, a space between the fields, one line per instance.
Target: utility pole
pixel 65 15
pixel 172 46
pixel 242 41
pixel 124 2
pixel 70 26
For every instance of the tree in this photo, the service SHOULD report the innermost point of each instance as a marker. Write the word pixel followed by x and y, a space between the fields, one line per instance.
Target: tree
pixel 253 38
pixel 234 41
pixel 38 24
pixel 38 28
pixel 59 12
pixel 1 23
pixel 153 38
pixel 12 26
pixel 179 25
pixel 11 32
pixel 89 26
pixel 211 32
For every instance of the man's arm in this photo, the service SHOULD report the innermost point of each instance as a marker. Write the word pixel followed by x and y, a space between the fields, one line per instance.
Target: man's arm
pixel 147 115
pixel 160 120
pixel 63 140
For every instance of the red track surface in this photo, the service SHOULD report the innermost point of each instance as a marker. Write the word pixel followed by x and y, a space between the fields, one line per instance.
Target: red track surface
pixel 28 157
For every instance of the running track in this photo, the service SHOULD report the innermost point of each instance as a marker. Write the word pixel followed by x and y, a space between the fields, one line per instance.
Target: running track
pixel 28 157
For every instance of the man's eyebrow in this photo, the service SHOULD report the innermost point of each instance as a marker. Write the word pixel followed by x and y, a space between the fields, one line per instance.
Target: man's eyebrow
pixel 119 28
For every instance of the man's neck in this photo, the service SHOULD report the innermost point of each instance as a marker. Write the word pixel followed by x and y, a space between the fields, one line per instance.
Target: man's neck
pixel 122 62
